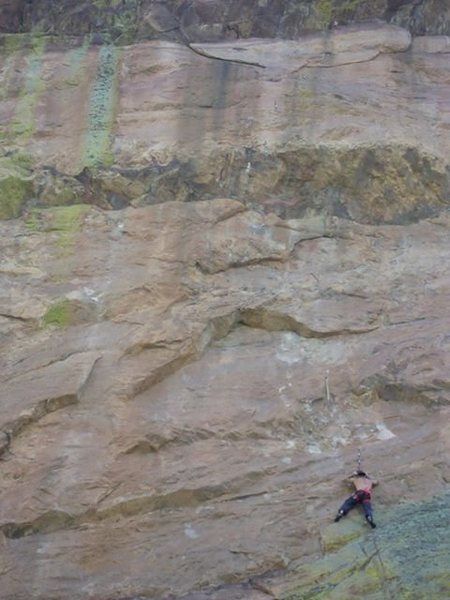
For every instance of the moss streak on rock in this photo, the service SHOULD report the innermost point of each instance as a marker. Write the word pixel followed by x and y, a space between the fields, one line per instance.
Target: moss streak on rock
pixel 327 10
pixel 9 49
pixel 102 104
pixel 23 124
pixel 76 59
pixel 324 11
pixel 32 222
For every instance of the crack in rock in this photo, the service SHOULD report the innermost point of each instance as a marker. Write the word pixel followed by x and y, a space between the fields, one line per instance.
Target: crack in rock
pixel 217 328
pixel 56 520
pixel 39 409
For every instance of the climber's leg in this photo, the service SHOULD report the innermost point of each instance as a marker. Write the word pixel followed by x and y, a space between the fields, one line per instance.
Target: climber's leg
pixel 367 507
pixel 348 505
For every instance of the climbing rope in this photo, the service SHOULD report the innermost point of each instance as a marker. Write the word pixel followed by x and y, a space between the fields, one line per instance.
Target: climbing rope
pixel 359 459
pixel 328 398
pixel 327 388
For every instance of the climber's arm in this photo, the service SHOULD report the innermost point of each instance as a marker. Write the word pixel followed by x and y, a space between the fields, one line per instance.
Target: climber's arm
pixel 350 479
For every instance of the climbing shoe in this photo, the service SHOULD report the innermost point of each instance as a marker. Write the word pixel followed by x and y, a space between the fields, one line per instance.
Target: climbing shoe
pixel 371 523
pixel 338 517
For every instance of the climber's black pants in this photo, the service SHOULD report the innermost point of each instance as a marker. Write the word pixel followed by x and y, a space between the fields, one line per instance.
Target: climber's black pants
pixel 359 497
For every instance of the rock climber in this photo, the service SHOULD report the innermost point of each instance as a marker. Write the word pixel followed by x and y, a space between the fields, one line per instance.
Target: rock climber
pixel 362 495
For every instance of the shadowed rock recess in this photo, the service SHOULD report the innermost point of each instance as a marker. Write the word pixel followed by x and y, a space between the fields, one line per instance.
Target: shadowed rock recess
pixel 123 21
pixel 224 270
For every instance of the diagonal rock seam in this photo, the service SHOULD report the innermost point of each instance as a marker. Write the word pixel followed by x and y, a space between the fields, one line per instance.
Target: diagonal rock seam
pixel 42 408
pixel 56 520
pixel 236 61
pixel 188 44
pixel 263 429
pixel 307 64
pixel 16 318
pixel 153 442
pixel 219 327
pixel 62 358
pixel 37 412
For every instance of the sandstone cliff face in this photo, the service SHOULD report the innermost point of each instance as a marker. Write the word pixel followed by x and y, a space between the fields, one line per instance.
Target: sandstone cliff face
pixel 293 128
pixel 164 408
pixel 224 269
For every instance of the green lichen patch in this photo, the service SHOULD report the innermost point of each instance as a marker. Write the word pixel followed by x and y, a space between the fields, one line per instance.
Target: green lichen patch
pixel 67 221
pixel 15 185
pixel 33 222
pixel 58 315
pixel 333 537
pixel 67 312
pixel 21 160
pixel 405 557
pixel 119 19
pixel 324 10
pixel 10 43
pixel 328 10
pixel 13 194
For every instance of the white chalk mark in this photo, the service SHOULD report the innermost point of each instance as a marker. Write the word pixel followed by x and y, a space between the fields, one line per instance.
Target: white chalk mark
pixel 190 532
pixel 384 433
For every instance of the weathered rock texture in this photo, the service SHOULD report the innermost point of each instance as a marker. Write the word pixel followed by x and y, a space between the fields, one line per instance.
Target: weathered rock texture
pixel 353 123
pixel 210 20
pixel 163 394
pixel 223 269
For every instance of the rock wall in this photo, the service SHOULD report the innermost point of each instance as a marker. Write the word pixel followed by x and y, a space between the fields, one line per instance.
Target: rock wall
pixel 123 21
pixel 351 123
pixel 223 274
pixel 165 414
